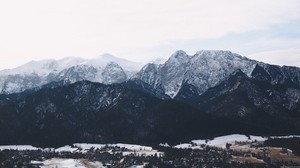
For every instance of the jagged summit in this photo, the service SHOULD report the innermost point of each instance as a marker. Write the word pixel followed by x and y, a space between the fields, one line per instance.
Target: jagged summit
pixel 213 52
pixel 203 70
pixel 178 57
pixel 178 53
pixel 181 56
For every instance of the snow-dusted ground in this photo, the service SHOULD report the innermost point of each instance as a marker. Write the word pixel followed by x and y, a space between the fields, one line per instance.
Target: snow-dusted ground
pixel 137 150
pixel 68 163
pixel 146 150
pixel 18 147
pixel 86 147
pixel 66 148
pixel 164 144
pixel 187 146
pixel 223 140
pixel 131 147
pixel 289 136
pixel 73 163
pixel 137 166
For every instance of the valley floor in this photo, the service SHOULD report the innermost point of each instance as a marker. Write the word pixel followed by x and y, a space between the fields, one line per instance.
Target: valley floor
pixel 226 151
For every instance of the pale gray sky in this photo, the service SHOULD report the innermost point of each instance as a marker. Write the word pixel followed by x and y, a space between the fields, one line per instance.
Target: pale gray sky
pixel 141 30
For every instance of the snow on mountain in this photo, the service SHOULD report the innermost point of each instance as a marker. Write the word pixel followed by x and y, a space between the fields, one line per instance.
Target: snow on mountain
pixel 113 73
pixel 43 67
pixel 125 64
pixel 203 70
pixel 105 69
pixel 182 74
pixel 208 68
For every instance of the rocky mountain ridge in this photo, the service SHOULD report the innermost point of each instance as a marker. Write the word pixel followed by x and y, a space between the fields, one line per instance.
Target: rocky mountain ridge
pixel 105 69
pixel 188 97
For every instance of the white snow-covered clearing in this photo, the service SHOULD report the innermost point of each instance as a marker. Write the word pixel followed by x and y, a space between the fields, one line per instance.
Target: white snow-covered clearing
pixel 144 153
pixel 164 145
pixel 187 146
pixel 223 140
pixel 66 149
pixel 18 147
pixel 183 146
pixel 67 163
pixel 137 166
pixel 85 146
pixel 136 150
pixel 133 147
pixel 289 136
pixel 220 141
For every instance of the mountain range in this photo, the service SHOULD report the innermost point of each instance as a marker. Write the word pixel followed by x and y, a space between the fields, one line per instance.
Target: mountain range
pixel 107 99
pixel 105 69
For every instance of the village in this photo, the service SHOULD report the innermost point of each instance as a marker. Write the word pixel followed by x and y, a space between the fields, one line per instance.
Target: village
pixel 215 153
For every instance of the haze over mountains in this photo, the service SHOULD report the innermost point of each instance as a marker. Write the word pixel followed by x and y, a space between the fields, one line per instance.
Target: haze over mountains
pixel 107 99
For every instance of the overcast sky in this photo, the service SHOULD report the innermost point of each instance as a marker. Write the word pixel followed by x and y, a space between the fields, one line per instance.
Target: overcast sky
pixel 141 30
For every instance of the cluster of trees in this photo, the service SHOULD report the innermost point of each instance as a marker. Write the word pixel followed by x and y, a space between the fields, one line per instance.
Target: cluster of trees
pixel 289 143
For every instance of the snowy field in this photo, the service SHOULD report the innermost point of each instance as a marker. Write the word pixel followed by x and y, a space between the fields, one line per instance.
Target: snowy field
pixel 68 163
pixel 146 150
pixel 18 147
pixel 73 163
pixel 223 140
pixel 131 147
pixel 136 150
pixel 194 144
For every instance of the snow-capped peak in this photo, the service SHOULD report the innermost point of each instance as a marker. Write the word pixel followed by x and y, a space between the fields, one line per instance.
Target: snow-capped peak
pixel 179 55
pixel 214 52
pixel 203 70
pixel 44 67
pixel 36 73
pixel 38 67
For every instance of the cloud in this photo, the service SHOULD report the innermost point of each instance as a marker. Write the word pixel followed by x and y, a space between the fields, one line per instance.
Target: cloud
pixel 35 29
pixel 289 57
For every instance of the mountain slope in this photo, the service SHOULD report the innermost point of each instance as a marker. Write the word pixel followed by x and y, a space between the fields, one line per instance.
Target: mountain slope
pixel 203 70
pixel 187 97
pixel 253 101
pixel 97 113
pixel 105 69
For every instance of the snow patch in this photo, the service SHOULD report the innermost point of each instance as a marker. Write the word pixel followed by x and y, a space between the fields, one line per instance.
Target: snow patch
pixel 66 149
pixel 67 163
pixel 18 147
pixel 223 140
pixel 220 141
pixel 283 137
pixel 164 145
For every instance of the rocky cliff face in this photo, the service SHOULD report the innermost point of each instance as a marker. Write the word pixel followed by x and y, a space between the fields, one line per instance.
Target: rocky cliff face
pixel 203 70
